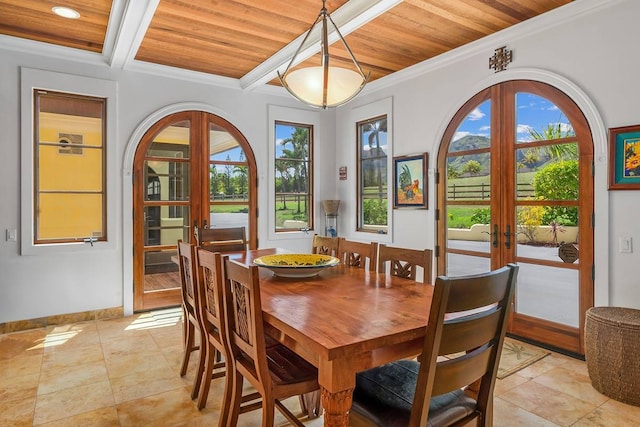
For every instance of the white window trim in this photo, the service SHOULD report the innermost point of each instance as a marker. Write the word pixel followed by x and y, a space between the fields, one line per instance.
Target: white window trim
pixel 59 82
pixel 303 117
pixel 359 114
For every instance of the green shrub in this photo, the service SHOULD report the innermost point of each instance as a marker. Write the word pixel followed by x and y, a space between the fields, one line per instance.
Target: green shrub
pixel 375 212
pixel 481 216
pixel 558 181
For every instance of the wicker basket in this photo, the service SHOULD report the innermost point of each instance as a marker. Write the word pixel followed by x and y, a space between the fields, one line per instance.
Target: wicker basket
pixel 331 206
pixel 612 339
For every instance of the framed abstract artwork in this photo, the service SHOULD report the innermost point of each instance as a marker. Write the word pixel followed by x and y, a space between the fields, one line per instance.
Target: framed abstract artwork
pixel 410 181
pixel 624 158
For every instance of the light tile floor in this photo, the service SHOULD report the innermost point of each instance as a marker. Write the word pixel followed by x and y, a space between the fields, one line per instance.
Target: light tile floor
pixel 124 372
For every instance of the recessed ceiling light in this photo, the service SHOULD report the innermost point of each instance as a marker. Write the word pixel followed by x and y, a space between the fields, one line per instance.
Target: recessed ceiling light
pixel 65 12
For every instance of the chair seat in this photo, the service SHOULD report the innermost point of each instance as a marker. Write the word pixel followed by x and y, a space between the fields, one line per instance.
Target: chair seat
pixel 286 367
pixel 384 395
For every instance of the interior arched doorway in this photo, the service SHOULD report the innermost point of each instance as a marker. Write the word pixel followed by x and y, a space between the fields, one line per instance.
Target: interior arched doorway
pixel 510 190
pixel 190 168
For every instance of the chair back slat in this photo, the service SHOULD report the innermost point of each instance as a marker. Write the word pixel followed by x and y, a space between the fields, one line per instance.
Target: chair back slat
pixel 358 254
pixel 470 332
pixel 404 262
pixel 461 371
pixel 325 245
pixel 231 239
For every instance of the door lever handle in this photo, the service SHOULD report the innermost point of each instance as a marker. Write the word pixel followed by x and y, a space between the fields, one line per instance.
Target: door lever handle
pixel 494 234
pixel 507 236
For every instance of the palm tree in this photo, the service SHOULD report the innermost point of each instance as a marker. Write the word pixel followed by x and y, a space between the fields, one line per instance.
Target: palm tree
pixel 375 129
pixel 297 156
pixel 557 152
pixel 228 173
pixel 241 175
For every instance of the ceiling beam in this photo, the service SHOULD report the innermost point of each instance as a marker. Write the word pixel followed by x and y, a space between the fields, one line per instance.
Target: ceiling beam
pixel 348 18
pixel 128 23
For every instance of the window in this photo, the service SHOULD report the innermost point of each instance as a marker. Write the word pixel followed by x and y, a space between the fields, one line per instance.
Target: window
pixel 69 168
pixel 372 175
pixel 293 177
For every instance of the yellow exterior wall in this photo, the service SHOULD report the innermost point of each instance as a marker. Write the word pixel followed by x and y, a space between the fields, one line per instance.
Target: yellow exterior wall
pixel 68 216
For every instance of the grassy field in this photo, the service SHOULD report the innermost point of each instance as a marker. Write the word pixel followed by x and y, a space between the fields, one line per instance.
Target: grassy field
pixel 460 216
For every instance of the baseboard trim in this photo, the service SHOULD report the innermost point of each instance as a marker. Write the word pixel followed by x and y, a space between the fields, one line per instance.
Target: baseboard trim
pixel 61 319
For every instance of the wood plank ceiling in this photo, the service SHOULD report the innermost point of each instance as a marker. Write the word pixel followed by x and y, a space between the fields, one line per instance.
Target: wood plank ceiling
pixel 238 38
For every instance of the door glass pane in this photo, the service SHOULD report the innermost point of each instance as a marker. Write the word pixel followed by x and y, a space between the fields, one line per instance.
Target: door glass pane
pixel 549 293
pixel 167 181
pixel 548 172
pixel 469 227
pixel 475 130
pixel 164 225
pixel 538 119
pixel 172 141
pixel 463 265
pixel 228 180
pixel 546 227
pixel 160 272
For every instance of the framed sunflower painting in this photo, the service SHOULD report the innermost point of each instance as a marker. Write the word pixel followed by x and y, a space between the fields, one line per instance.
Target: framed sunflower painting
pixel 624 158
pixel 410 181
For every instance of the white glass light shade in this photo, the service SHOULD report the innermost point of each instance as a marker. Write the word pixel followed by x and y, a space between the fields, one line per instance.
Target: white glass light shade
pixel 307 84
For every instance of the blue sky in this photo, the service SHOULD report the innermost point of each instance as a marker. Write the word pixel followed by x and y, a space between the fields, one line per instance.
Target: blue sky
pixel 533 112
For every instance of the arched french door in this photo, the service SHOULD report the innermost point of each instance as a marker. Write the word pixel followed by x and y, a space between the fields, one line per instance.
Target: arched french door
pixel 190 168
pixel 516 185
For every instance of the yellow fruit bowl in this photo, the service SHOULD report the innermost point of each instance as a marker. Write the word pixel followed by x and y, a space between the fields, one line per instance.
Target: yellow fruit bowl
pixel 296 265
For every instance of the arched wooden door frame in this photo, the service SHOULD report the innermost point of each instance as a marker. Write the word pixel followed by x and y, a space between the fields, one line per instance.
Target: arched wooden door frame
pixel 199 201
pixel 569 339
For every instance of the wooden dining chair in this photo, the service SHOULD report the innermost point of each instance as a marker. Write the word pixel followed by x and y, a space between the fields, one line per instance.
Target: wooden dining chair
pixel 210 310
pixel 190 324
pixel 325 245
pixel 276 372
pixel 358 254
pixel 453 380
pixel 230 239
pixel 405 262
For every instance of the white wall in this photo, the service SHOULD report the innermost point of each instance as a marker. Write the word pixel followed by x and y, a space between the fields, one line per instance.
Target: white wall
pixel 39 285
pixel 592 56
pixel 589 50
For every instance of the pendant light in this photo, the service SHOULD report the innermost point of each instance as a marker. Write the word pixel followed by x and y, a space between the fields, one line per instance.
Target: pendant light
pixel 324 85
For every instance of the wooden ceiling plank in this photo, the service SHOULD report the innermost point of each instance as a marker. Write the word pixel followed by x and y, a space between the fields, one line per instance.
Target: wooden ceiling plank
pixel 450 13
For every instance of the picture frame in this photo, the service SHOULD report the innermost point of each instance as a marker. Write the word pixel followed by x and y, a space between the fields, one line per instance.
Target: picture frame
pixel 410 181
pixel 624 158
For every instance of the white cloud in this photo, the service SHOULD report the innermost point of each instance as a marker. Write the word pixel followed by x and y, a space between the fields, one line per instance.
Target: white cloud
pixel 524 129
pixel 476 114
pixel 459 135
pixel 484 128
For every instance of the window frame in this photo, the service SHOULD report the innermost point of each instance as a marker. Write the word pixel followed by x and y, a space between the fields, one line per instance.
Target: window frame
pixel 31 80
pixel 360 226
pixel 309 168
pixel 380 108
pixel 39 143
pixel 293 116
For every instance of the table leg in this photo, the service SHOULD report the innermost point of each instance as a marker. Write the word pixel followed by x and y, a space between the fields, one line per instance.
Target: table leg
pixel 336 407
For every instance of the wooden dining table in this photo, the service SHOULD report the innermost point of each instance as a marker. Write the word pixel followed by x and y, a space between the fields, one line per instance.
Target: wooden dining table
pixel 343 321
